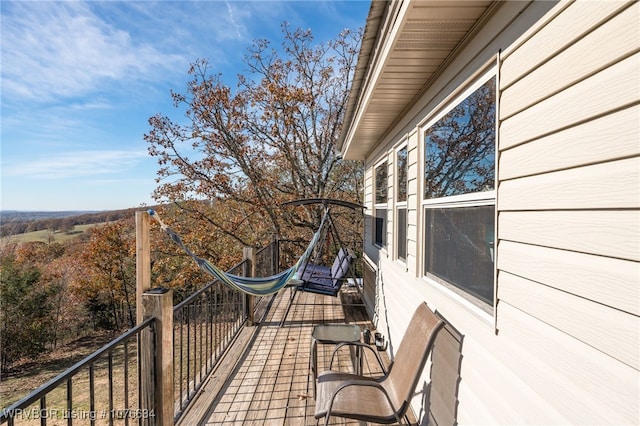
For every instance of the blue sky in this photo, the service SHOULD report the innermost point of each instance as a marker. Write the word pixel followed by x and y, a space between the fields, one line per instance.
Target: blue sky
pixel 81 79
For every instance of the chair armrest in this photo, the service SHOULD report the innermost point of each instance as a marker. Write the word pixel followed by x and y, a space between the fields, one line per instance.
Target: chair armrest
pixel 362 345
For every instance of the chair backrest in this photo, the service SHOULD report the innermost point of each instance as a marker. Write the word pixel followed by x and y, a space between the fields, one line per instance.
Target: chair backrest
pixel 341 265
pixel 335 268
pixel 411 356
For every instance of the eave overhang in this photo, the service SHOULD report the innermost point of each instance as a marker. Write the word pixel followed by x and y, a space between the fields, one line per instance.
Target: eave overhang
pixel 406 43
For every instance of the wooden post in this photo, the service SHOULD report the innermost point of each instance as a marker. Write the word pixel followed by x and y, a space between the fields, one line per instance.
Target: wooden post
pixel 156 353
pixel 143 260
pixel 249 258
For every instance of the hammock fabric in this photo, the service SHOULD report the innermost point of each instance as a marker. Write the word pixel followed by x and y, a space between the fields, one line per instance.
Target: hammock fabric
pixel 259 286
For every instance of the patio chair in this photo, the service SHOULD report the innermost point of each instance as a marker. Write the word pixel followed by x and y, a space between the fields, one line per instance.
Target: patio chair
pixel 385 399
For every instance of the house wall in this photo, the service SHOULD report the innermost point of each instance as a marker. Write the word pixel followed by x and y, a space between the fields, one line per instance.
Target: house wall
pixel 562 344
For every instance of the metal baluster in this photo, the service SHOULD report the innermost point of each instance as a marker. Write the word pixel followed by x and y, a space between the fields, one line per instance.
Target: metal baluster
pixel 92 396
pixel 69 401
pixel 43 411
pixel 126 380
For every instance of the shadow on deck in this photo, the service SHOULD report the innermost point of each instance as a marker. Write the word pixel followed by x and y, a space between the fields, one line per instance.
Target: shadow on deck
pixel 264 378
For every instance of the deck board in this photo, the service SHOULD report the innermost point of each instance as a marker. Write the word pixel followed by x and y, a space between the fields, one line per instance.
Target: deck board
pixel 267 375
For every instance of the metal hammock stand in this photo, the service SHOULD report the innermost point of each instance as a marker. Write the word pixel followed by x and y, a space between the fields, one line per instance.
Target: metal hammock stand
pixel 321 279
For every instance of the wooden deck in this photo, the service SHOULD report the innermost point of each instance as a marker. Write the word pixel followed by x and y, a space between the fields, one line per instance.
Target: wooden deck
pixel 264 379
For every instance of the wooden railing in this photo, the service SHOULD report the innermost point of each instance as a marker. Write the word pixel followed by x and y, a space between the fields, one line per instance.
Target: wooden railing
pixel 150 374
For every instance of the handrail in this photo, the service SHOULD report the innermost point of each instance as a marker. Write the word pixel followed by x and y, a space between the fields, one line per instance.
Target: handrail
pixel 37 394
pixel 211 318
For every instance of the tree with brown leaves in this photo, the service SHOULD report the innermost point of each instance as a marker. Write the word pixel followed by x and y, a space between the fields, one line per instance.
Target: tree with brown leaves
pixel 271 140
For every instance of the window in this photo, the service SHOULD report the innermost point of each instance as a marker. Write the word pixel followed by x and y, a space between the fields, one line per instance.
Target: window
pixel 460 248
pixel 401 204
pixel 402 233
pixel 459 193
pixel 402 175
pixel 380 226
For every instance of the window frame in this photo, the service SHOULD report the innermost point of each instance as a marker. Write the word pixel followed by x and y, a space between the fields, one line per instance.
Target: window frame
pixel 380 206
pixel 474 199
pixel 401 204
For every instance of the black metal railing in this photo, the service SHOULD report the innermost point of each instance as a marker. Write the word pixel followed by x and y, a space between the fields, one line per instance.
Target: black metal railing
pixel 103 388
pixel 267 260
pixel 106 387
pixel 206 323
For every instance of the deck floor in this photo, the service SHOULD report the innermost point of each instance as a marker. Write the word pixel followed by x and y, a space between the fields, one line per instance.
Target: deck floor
pixel 267 380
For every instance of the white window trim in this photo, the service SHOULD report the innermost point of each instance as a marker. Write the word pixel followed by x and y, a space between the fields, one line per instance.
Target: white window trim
pixel 481 309
pixel 395 240
pixel 474 82
pixel 463 200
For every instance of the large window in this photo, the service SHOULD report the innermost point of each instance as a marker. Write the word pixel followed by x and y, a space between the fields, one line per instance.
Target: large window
pixel 401 203
pixel 459 193
pixel 380 225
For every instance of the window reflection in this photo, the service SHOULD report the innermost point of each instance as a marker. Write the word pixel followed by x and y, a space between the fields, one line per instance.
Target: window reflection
pixel 460 147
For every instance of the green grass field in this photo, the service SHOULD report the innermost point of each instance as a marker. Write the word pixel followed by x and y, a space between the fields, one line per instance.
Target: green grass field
pixel 47 236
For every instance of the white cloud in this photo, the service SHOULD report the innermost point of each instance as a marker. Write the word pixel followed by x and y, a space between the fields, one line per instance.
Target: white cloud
pixel 235 25
pixel 53 50
pixel 76 164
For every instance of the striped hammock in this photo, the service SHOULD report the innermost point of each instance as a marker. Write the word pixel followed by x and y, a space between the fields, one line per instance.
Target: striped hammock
pixel 259 286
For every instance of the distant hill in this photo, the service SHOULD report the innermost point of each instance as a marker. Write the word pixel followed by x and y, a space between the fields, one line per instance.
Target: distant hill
pixel 19 222
pixel 13 215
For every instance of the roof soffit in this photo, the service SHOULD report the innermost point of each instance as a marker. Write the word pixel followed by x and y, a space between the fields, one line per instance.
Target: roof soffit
pixel 413 43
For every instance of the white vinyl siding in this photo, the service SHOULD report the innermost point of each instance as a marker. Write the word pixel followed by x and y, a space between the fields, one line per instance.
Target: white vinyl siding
pixel 412 200
pixel 586 48
pixel 563 344
pixel 579 145
pixel 568 210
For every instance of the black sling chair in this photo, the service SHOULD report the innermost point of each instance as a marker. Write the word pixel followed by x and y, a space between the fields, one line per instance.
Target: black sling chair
pixel 318 278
